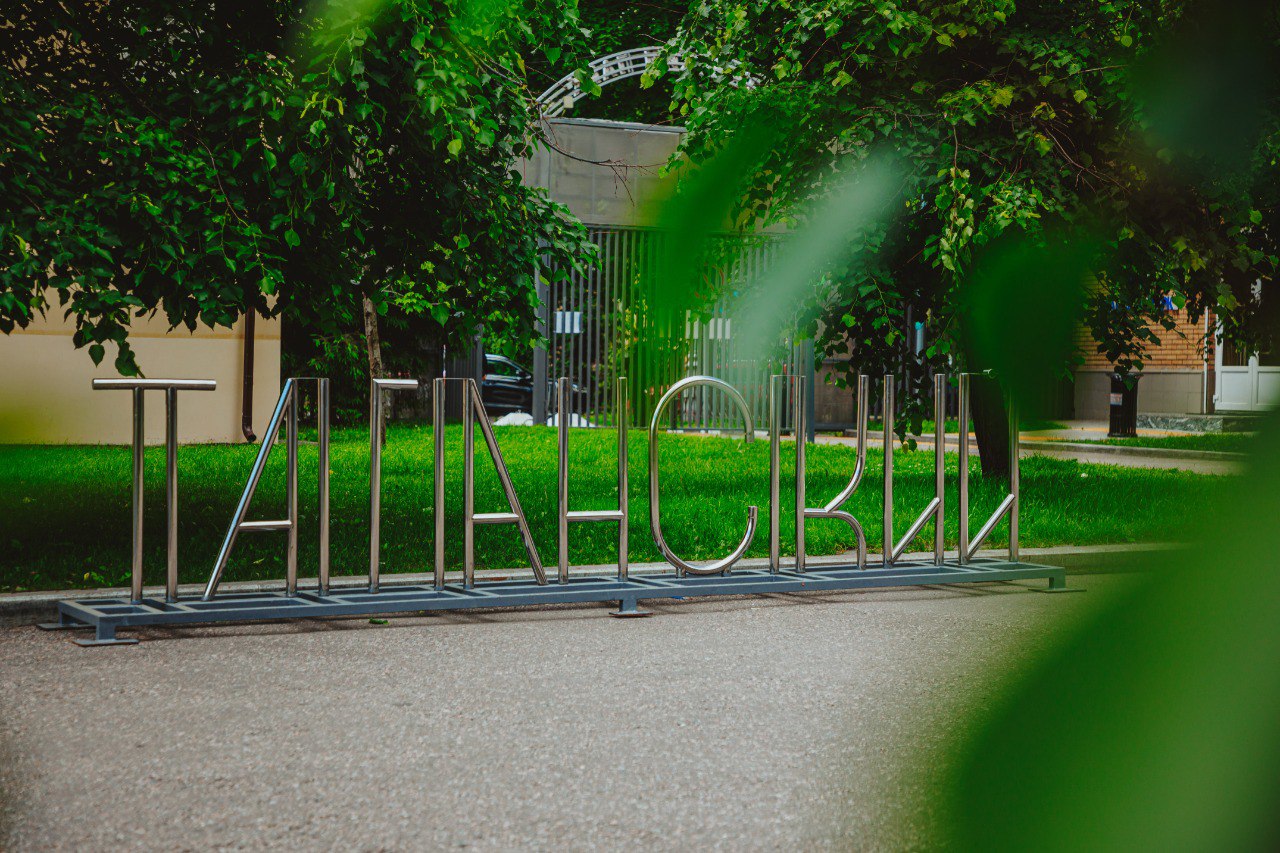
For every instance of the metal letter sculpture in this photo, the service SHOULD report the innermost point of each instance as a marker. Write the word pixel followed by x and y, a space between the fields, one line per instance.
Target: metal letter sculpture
pixel 105 616
pixel 655 514
pixel 563 412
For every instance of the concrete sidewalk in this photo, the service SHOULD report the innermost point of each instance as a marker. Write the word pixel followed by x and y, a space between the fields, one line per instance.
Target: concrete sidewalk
pixel 787 722
pixel 1085 448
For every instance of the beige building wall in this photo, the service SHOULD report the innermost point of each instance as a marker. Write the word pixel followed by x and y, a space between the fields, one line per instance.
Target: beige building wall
pixel 46 395
pixel 605 172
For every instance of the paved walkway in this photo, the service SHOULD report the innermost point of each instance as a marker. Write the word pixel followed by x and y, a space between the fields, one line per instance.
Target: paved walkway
pixel 1079 433
pixel 749 723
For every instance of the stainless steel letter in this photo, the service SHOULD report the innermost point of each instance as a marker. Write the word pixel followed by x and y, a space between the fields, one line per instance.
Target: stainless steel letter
pixel 474 406
pixel 1009 505
pixel 934 510
pixel 322 489
pixel 437 430
pixel 139 493
pixel 171 387
pixel 655 523
pixel 802 434
pixel 833 507
pixel 376 389
pixel 565 516
pixel 288 395
pixel 777 388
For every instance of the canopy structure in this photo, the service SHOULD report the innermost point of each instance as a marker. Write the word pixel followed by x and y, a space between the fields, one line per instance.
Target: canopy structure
pixel 567 91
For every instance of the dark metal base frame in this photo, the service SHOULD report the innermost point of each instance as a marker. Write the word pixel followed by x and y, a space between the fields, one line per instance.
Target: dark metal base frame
pixel 108 615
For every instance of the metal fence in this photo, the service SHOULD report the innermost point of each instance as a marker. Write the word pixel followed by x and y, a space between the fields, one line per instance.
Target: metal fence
pixel 605 323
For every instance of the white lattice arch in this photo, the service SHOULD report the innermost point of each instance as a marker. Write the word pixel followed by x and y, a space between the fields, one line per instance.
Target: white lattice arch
pixel 566 91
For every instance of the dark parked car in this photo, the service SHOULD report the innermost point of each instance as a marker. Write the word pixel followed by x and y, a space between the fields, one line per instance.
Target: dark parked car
pixel 508 387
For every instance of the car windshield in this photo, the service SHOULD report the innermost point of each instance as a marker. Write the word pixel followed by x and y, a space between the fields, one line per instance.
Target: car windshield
pixel 502 367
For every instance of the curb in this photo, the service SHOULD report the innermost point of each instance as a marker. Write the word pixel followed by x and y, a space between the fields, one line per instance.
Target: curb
pixel 28 608
pixel 1049 445
pixel 1126 450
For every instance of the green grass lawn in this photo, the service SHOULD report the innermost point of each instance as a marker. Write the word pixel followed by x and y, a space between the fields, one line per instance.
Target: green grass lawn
pixel 1230 442
pixel 64 511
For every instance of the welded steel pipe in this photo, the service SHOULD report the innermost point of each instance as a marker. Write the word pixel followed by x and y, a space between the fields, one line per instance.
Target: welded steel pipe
pixel 475 406
pixel 255 475
pixel 468 490
pixel 291 496
pixel 1014 477
pixel 940 466
pixel 437 430
pixel 377 387
pixel 655 521
pixel 170 492
pixel 776 393
pixel 171 387
pixel 624 481
pixel 894 549
pixel 963 473
pixel 139 492
pixel 562 475
pixel 833 509
pixel 322 488
pixel 375 484
pixel 800 407
pixel 969 547
pixel 564 514
pixel 888 437
pixel 141 384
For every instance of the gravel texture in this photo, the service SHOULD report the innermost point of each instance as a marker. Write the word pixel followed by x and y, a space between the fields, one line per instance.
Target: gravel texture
pixel 778 722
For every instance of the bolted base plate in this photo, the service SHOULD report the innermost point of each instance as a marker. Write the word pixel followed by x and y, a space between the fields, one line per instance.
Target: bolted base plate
pixel 114 641
pixel 633 613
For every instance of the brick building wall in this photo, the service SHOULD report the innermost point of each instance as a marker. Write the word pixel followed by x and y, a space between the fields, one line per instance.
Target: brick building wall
pixel 1174 378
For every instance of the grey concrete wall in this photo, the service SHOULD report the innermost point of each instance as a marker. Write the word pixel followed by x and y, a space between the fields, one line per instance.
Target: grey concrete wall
pixel 1159 392
pixel 606 172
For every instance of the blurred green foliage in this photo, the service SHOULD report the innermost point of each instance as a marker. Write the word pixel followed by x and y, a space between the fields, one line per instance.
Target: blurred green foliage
pixel 1152 723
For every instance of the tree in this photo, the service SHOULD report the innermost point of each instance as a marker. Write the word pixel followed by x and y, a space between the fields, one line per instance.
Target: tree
pixel 1020 128
pixel 206 160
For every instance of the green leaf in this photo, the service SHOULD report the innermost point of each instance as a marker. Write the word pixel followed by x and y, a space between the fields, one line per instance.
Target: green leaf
pixel 291 237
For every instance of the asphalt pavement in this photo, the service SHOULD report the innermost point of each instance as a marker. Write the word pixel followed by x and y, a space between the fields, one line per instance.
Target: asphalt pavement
pixel 780 722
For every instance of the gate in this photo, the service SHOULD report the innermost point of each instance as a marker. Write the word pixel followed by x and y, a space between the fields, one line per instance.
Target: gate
pixel 599 326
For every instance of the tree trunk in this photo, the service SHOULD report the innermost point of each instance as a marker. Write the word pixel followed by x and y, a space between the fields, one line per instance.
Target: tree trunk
pixel 373 347
pixel 991 425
